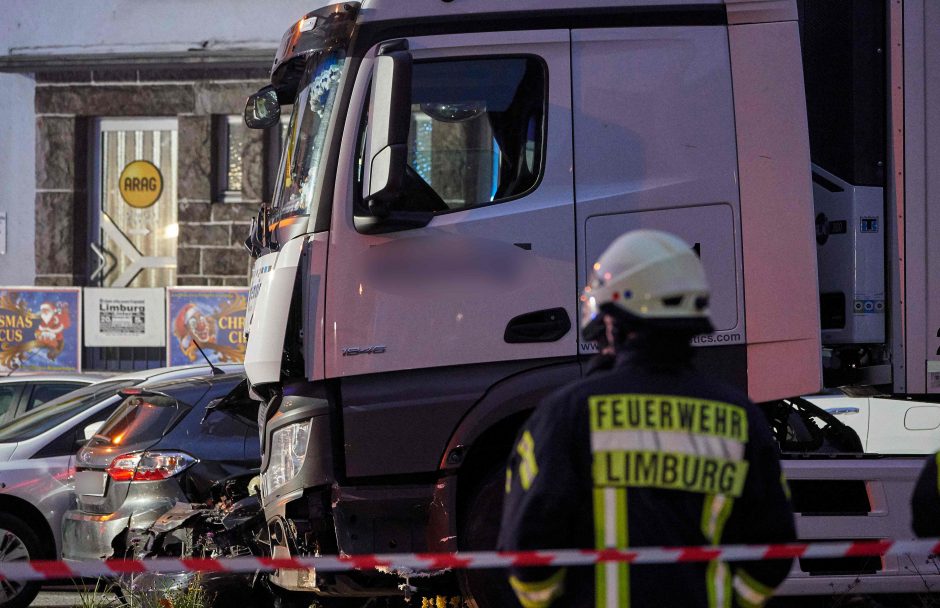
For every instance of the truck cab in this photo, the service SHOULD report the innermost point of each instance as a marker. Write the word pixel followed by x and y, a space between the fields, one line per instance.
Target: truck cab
pixel 450 172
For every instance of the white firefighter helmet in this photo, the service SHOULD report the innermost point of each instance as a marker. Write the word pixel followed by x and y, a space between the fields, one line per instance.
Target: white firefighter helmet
pixel 648 277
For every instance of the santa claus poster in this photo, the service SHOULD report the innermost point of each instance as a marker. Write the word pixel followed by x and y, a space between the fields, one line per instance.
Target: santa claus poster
pixel 40 329
pixel 212 319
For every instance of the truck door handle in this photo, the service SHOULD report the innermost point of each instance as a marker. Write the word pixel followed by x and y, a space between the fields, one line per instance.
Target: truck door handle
pixel 539 326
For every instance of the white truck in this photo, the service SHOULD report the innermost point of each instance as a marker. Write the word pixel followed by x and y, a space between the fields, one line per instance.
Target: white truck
pixel 451 169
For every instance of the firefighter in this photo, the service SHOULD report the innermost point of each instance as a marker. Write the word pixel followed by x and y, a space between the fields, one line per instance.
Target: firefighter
pixel 649 453
pixel 925 502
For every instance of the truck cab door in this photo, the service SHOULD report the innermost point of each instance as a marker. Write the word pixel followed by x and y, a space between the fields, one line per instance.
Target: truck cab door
pixel 656 150
pixel 491 276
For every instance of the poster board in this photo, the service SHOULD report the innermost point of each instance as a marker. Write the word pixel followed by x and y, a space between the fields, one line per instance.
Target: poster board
pixel 124 317
pixel 40 329
pixel 212 317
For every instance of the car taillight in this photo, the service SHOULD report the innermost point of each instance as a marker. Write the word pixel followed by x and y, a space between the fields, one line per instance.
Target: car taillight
pixel 149 466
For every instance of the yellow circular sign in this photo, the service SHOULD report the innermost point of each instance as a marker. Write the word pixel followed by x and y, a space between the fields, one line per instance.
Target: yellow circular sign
pixel 140 184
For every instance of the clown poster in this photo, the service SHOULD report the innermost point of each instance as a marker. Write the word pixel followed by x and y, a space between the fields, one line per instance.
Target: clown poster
pixel 209 318
pixel 40 329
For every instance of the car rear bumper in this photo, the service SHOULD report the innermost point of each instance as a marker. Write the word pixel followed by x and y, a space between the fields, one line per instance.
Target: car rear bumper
pixel 87 536
pixel 102 535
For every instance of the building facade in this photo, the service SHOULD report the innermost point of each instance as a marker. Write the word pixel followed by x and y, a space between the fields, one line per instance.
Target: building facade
pixel 96 86
pixel 124 161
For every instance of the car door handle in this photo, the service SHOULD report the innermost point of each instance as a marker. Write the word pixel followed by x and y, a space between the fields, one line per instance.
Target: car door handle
pixel 540 326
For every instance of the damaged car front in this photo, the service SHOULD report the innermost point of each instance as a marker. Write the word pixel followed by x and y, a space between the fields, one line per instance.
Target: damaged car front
pixel 163 446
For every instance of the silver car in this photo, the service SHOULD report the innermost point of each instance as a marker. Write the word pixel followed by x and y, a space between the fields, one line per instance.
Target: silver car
pixel 37 462
pixel 22 393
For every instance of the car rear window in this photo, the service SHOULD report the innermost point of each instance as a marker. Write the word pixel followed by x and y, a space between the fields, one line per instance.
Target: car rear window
pixel 148 416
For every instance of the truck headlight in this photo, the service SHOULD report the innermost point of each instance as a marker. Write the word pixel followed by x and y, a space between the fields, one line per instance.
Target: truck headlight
pixel 288 450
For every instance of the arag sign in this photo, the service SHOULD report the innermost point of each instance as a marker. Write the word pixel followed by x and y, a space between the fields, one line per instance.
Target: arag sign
pixel 140 184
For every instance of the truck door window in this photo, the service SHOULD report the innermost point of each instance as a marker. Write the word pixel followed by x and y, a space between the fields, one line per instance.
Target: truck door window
pixel 477 132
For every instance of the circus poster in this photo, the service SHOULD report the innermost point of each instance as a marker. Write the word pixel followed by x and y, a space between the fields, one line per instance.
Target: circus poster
pixel 40 329
pixel 211 319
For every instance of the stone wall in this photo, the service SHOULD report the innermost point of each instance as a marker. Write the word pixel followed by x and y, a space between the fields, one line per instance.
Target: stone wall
pixel 57 226
pixel 211 232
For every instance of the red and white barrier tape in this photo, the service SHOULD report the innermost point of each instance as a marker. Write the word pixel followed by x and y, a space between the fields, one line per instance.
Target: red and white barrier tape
pixel 412 562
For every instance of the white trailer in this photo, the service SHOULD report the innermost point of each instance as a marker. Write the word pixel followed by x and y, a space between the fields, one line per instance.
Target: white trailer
pixel 872 69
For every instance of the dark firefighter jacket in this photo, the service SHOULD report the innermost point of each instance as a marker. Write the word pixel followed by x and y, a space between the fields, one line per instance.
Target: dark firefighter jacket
pixel 925 503
pixel 644 455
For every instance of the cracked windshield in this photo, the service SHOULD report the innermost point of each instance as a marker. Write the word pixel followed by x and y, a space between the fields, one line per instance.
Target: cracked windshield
pixel 306 138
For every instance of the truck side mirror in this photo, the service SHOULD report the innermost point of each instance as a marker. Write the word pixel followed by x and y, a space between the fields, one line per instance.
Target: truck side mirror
pixel 258 237
pixel 262 109
pixel 389 124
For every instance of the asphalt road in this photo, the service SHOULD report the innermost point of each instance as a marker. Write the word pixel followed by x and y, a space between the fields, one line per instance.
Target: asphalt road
pixel 59 599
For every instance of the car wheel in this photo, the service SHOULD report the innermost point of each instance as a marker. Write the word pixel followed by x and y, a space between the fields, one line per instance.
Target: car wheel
pixel 17 543
pixel 479 532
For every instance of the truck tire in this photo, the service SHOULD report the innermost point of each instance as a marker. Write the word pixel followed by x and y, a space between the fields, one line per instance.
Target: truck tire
pixel 18 543
pixel 478 532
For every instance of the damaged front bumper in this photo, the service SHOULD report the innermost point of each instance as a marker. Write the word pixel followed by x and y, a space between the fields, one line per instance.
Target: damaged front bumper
pixel 356 521
pixel 309 513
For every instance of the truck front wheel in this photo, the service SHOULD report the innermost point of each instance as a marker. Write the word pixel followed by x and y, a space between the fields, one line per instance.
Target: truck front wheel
pixel 478 532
